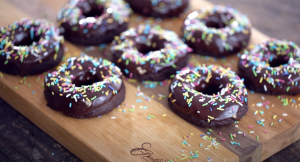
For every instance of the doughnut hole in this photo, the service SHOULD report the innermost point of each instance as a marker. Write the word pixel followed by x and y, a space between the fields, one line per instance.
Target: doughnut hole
pixel 24 38
pixel 275 58
pixel 144 48
pixel 218 20
pixel 85 79
pixel 210 88
pixel 90 10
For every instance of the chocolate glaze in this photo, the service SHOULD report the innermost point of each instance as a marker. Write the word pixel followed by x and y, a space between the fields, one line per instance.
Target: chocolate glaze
pixel 266 68
pixel 237 40
pixel 92 73
pixel 95 24
pixel 203 103
pixel 147 70
pixel 169 8
pixel 35 61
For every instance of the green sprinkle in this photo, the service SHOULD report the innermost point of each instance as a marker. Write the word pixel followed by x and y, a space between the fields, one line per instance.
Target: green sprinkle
pixel 152 116
pixel 93 98
pixel 257 138
pixel 210 130
pixel 288 88
pixel 38 79
pixel 231 137
pixel 74 28
pixel 16 87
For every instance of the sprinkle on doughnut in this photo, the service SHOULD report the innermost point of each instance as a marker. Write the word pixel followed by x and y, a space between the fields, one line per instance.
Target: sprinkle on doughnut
pixel 217 31
pixel 208 96
pixel 271 67
pixel 93 22
pixel 29 47
pixel 88 86
pixel 149 53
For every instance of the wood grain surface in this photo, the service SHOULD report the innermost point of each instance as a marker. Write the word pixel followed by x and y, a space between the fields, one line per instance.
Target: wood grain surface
pixel 48 7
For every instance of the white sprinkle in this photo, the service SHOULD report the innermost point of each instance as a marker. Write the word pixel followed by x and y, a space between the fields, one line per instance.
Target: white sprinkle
pixel 113 117
pixel 251 131
pixel 265 87
pixel 262 97
pixel 240 132
pixel 284 114
pixel 262 120
pixel 236 126
pixel 206 148
pixel 68 95
pixel 181 150
pixel 198 112
pixel 259 104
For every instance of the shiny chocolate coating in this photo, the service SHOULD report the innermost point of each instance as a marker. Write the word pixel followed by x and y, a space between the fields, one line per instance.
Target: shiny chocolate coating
pixel 159 8
pixel 271 67
pixel 216 32
pixel 93 22
pixel 84 87
pixel 149 53
pixel 30 47
pixel 208 96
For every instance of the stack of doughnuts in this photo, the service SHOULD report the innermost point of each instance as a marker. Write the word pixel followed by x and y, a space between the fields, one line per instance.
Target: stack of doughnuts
pixel 206 95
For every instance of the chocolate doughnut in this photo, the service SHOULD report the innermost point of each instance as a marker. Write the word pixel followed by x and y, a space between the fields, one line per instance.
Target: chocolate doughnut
pixel 149 53
pixel 217 32
pixel 84 87
pixel 93 22
pixel 159 8
pixel 208 96
pixel 30 47
pixel 271 67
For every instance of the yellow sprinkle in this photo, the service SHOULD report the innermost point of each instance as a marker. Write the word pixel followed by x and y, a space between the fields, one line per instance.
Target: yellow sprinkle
pixel 184 158
pixel 170 95
pixel 191 134
pixel 55 57
pixel 164 114
pixel 173 100
pixel 52 93
pixel 260 79
pixel 211 117
pixel 152 96
pixel 274 117
pixel 233 116
pixel 40 61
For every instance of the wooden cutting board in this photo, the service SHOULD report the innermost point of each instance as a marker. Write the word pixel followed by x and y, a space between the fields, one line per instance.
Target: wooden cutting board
pixel 125 134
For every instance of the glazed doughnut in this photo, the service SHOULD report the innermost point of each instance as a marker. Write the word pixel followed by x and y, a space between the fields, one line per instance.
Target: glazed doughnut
pixel 84 87
pixel 159 8
pixel 30 47
pixel 219 31
pixel 271 67
pixel 149 53
pixel 208 96
pixel 93 22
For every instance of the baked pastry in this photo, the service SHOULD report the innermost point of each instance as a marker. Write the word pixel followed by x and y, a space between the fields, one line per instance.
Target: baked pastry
pixel 84 87
pixel 217 32
pixel 30 47
pixel 208 96
pixel 149 53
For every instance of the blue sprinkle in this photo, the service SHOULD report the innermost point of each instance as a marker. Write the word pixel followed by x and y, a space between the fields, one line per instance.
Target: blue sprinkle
pixel 70 105
pixel 126 71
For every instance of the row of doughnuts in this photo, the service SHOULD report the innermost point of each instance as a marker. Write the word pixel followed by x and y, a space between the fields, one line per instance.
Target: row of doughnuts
pixel 205 95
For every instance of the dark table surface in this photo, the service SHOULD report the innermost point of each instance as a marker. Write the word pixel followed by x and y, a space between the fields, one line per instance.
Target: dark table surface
pixel 21 140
